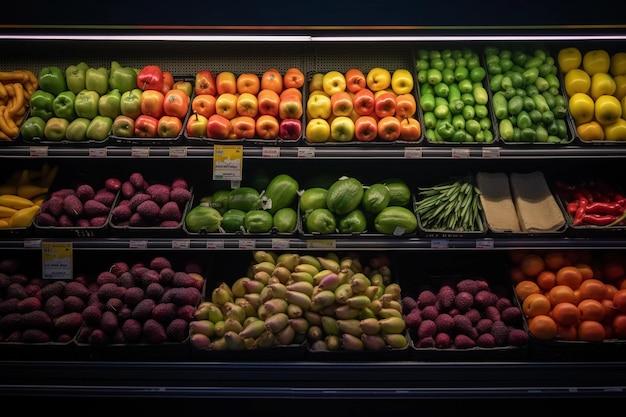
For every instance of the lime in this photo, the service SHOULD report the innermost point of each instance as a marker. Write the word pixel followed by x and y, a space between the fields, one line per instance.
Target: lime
pixel 320 220
pixel 285 220
pixel 352 222
pixel 313 198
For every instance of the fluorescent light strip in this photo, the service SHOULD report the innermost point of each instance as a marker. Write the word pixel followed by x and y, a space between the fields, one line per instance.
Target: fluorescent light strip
pixel 469 38
pixel 234 38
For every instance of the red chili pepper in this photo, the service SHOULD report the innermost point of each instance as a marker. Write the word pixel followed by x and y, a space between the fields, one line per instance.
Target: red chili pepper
pixel 598 207
pixel 572 207
pixel 598 219
pixel 580 211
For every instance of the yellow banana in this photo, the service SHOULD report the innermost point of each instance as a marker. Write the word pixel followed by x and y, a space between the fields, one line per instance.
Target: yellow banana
pixel 15 201
pixel 23 217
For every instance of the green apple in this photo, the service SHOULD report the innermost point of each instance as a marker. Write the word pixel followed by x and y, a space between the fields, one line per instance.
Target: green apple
pixel 55 128
pixel 109 104
pixel 130 103
pixel 99 128
pixel 97 79
pixel 77 129
pixel 75 77
pixel 186 86
pixel 123 126
pixel 86 104
pixel 122 78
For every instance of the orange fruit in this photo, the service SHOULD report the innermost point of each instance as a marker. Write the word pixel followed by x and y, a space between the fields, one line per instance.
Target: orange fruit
pixel 619 300
pixel 586 270
pixel 546 279
pixel 592 288
pixel 561 294
pixel 524 288
pixel 536 304
pixel 532 264
pixel 569 333
pixel 570 276
pixel 565 314
pixel 609 309
pixel 554 260
pixel 542 327
pixel 591 309
pixel 610 291
pixel 619 326
pixel 591 331
pixel 516 255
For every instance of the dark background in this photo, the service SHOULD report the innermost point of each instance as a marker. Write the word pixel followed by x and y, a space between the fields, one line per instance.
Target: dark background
pixel 313 13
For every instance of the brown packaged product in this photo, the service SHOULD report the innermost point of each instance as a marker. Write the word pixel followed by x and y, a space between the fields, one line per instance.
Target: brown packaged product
pixel 537 208
pixel 495 197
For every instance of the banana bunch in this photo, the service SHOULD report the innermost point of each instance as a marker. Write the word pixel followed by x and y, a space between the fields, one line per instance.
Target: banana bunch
pixel 23 193
pixel 329 301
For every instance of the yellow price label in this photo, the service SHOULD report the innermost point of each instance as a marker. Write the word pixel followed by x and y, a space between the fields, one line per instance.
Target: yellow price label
pixel 227 162
pixel 57 260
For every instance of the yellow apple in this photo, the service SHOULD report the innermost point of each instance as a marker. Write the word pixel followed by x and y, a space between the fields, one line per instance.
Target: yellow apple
pixel 601 84
pixel 607 109
pixel 615 131
pixel 333 82
pixel 402 81
pixel 596 61
pixel 581 106
pixel 317 130
pixel 318 106
pixel 378 79
pixel 342 129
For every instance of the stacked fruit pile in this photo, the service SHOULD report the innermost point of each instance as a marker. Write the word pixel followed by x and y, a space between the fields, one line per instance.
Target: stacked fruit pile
pixel 596 85
pixel 453 96
pixel 347 206
pixel 246 209
pixel 333 302
pixel 568 296
pixel 247 105
pixel 527 98
pixel 343 107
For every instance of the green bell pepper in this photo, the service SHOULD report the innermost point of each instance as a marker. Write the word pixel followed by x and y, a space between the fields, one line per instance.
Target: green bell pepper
pixel 52 80
pixel 122 78
pixel 33 127
pixel 97 79
pixel 75 77
pixel 41 104
pixel 86 104
pixel 63 105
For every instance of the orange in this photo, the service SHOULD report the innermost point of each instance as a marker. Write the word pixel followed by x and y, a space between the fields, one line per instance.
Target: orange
pixel 542 327
pixel 619 326
pixel 565 314
pixel 591 309
pixel 569 333
pixel 516 255
pixel 532 264
pixel 592 288
pixel 609 309
pixel 586 270
pixel 591 331
pixel 554 260
pixel 525 288
pixel 561 294
pixel 546 279
pixel 570 276
pixel 536 304
pixel 610 291
pixel 619 300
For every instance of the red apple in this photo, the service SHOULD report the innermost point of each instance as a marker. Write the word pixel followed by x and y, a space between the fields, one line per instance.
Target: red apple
pixel 341 103
pixel 218 127
pixel 385 104
pixel 355 80
pixel 365 128
pixel 205 83
pixel 244 127
pixel 290 129
pixel 363 102
pixel 196 125
pixel 410 129
pixel 389 128
pixel 267 126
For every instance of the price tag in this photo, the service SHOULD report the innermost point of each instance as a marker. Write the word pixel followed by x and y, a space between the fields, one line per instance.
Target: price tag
pixel 178 152
pixel 270 152
pixel 278 244
pixel 247 244
pixel 460 152
pixel 38 151
pixel 304 152
pixel 180 244
pixel 484 243
pixel 413 153
pixel 439 244
pixel 215 244
pixel 57 260
pixel 32 244
pixel 491 152
pixel 140 152
pixel 138 244
pixel 97 152
pixel 321 244
pixel 227 162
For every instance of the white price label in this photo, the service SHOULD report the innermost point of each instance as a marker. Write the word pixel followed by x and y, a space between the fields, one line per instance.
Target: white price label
pixel 304 152
pixel 460 152
pixel 38 151
pixel 215 244
pixel 413 153
pixel 178 152
pixel 140 152
pixel 270 152
pixel 138 244
pixel 97 152
pixel 439 244
pixel 484 243
pixel 321 244
pixel 247 244
pixel 180 244
pixel 491 152
pixel 279 244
